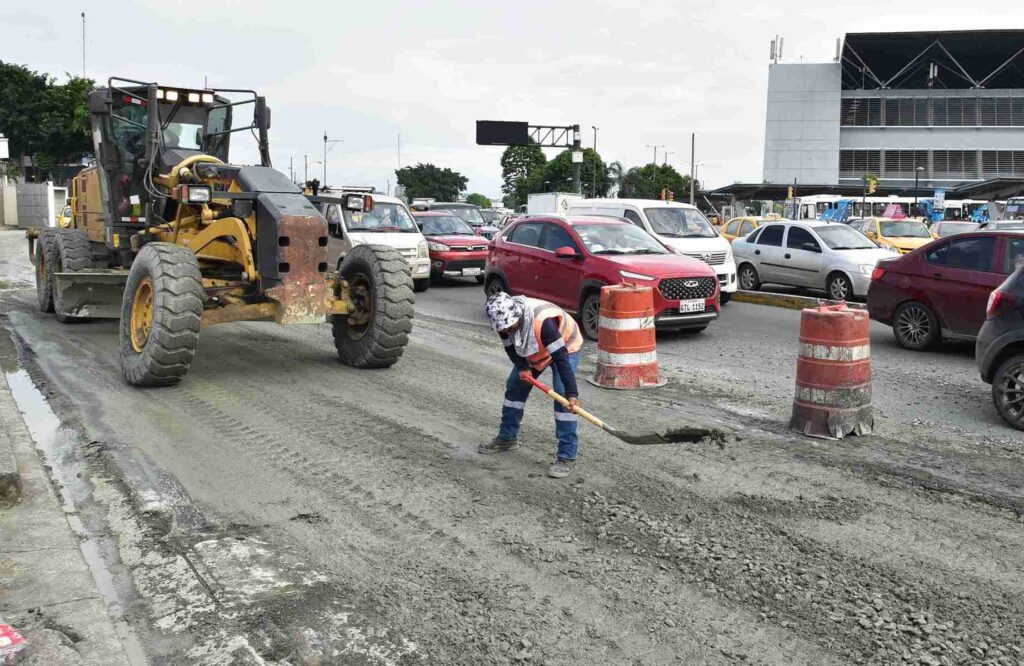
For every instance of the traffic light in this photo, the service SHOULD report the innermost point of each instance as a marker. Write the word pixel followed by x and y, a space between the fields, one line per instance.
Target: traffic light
pixel 664 194
pixel 789 193
pixel 671 195
pixel 872 184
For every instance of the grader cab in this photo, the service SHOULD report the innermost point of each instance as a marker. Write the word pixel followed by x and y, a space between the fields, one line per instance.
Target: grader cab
pixel 169 237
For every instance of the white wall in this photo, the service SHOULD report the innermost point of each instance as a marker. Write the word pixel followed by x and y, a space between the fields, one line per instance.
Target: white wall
pixel 802 124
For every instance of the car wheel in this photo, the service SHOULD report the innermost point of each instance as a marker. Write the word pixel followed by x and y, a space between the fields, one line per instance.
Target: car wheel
pixel 1008 391
pixel 479 279
pixel 495 285
pixel 420 286
pixel 749 279
pixel 839 287
pixel 915 326
pixel 590 315
pixel 724 297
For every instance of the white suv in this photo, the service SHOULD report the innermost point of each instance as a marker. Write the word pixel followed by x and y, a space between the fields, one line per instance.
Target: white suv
pixel 679 226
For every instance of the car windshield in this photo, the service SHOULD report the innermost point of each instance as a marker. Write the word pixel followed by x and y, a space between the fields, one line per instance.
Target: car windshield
pixel 680 223
pixel 444 225
pixel 385 217
pixel 618 239
pixel 490 216
pixel 467 213
pixel 903 229
pixel 842 237
pixel 944 229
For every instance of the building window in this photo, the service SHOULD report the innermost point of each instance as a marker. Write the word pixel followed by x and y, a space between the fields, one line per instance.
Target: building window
pixel 932 112
pixel 857 163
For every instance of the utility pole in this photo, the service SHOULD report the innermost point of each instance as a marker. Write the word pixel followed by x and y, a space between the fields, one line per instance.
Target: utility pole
pixel 576 137
pixel 83 45
pixel 305 161
pixel 291 170
pixel 593 187
pixel 654 161
pixel 333 142
pixel 664 156
pixel 693 164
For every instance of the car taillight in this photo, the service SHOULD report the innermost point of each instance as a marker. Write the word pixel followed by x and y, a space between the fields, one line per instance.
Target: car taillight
pixel 996 300
pixel 877 273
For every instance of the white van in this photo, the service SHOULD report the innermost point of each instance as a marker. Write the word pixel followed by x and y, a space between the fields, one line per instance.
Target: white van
pixel 679 226
pixel 389 223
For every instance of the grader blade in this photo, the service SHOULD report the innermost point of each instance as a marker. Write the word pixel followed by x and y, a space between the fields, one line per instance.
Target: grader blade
pixel 95 294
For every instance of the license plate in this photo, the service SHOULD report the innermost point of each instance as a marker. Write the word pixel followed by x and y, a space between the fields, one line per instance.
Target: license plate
pixel 691 306
pixel 469 272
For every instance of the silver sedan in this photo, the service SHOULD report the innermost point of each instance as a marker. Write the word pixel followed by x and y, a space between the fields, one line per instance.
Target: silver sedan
pixel 809 253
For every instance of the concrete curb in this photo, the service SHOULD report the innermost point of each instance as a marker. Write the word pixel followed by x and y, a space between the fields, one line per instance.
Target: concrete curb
pixel 12 425
pixel 789 301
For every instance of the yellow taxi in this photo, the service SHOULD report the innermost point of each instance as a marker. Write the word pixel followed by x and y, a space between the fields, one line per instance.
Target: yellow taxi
pixel 64 217
pixel 740 227
pixel 901 234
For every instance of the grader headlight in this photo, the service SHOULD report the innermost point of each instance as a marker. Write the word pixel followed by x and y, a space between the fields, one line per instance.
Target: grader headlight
pixel 194 194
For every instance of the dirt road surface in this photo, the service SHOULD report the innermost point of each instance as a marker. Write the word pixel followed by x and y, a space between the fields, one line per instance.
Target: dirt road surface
pixel 277 507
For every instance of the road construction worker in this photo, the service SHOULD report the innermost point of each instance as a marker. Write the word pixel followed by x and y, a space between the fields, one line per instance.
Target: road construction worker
pixel 537 334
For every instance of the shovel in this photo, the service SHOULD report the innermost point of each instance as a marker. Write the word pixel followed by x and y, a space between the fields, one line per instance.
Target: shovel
pixel 674 436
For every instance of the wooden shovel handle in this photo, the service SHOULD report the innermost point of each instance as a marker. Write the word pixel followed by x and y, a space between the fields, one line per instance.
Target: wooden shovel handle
pixel 565 403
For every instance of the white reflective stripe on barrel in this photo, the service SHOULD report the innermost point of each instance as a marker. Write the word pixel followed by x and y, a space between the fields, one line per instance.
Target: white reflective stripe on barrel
pixel 835 352
pixel 627 359
pixel 628 324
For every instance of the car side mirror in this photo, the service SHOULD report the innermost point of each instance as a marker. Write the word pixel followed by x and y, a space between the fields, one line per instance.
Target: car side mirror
pixel 566 253
pixel 810 247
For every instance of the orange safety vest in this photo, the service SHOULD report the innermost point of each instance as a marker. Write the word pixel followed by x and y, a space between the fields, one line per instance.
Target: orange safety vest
pixel 571 336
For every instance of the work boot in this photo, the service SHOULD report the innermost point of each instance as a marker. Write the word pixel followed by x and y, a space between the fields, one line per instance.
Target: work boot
pixel 561 468
pixel 498 445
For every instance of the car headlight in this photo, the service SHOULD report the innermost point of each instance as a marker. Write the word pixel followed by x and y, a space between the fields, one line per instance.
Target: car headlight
pixel 421 251
pixel 866 269
pixel 635 276
pixel 437 247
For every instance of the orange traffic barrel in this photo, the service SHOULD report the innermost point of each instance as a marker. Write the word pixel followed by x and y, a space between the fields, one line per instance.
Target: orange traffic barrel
pixel 833 373
pixel 627 356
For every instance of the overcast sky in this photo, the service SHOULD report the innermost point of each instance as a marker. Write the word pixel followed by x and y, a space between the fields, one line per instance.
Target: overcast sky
pixel 643 72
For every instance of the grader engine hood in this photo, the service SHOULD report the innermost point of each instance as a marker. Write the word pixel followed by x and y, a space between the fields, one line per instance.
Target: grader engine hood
pixel 291 246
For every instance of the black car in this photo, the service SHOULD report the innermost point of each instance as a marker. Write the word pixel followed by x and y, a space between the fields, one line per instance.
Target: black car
pixel 999 351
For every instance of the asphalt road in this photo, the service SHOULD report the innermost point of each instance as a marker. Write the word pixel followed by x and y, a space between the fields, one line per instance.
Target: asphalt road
pixel 747 360
pixel 278 506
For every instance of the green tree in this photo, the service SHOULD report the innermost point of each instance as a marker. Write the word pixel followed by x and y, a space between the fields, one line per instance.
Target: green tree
pixel 556 175
pixel 42 119
pixel 615 172
pixel 427 180
pixel 646 182
pixel 22 100
pixel 64 122
pixel 478 200
pixel 518 164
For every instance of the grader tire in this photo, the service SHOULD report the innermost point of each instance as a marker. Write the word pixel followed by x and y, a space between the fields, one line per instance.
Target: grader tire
pixel 44 270
pixel 72 252
pixel 375 334
pixel 160 315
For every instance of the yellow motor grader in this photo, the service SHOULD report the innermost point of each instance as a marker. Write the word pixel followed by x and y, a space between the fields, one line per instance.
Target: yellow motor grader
pixel 168 236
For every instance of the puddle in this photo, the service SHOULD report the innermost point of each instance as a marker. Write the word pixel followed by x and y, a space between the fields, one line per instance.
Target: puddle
pixel 59 448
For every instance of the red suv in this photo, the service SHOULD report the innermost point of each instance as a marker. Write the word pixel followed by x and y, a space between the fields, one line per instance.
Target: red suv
pixel 567 261
pixel 455 249
pixel 941 289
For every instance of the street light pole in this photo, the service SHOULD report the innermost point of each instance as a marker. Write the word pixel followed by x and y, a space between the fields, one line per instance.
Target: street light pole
pixel 333 142
pixel 693 164
pixel 593 187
